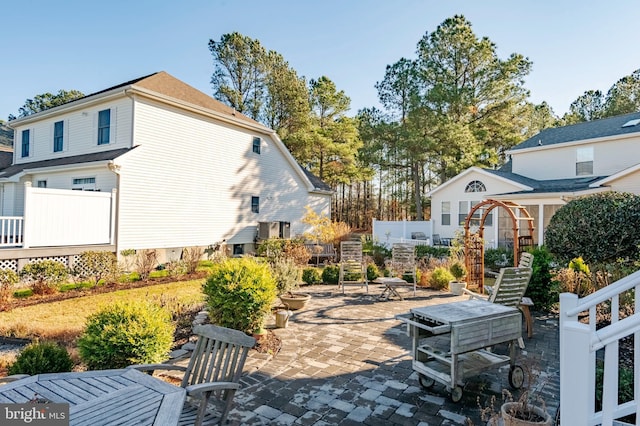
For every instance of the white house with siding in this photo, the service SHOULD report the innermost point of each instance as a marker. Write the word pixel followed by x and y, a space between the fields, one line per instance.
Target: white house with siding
pixel 186 170
pixel 542 174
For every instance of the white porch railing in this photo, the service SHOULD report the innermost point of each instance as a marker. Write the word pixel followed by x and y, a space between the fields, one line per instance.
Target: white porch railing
pixel 578 345
pixel 11 230
pixel 410 241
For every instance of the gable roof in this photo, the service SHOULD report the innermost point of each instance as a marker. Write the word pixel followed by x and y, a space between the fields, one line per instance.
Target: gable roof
pixel 611 126
pixel 63 161
pixel 159 84
pixel 316 182
pixel 523 185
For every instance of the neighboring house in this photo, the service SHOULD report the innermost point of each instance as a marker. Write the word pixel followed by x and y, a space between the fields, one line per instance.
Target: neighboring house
pixel 187 169
pixel 542 174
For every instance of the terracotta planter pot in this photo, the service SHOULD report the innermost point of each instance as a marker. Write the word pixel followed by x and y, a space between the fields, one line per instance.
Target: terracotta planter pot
pixel 456 287
pixel 295 301
pixel 509 409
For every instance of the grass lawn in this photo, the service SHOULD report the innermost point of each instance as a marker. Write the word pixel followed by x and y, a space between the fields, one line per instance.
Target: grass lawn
pixel 64 320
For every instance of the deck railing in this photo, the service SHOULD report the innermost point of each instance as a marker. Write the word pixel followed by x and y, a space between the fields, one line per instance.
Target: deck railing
pixel 11 231
pixel 582 344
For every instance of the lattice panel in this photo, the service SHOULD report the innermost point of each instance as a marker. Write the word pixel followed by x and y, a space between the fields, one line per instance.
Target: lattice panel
pixel 10 264
pixel 62 259
pixel 79 267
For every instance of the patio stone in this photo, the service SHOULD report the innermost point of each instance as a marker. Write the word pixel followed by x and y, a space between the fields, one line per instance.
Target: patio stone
pixel 345 360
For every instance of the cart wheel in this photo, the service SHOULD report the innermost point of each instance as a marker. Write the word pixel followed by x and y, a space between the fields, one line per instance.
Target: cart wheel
pixel 425 382
pixel 456 394
pixel 516 377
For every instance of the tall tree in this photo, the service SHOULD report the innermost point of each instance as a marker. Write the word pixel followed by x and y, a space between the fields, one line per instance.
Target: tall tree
pixel 286 106
pixel 334 136
pixel 46 101
pixel 588 106
pixel 473 96
pixel 239 72
pixel 624 96
pixel 399 93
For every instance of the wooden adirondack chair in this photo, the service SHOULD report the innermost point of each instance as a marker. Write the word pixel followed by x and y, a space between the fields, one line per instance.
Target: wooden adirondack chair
pixel 212 376
pixel 352 268
pixel 403 263
pixel 509 290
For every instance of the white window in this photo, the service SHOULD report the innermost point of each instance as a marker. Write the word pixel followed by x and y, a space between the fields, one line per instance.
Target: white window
pixel 256 145
pixel 475 186
pixel 584 161
pixel 84 184
pixel 446 213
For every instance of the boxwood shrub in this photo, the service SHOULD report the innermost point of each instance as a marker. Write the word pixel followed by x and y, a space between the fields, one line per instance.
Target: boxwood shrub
pixel 239 293
pixel 126 333
pixel 44 357
pixel 311 276
pixel 330 274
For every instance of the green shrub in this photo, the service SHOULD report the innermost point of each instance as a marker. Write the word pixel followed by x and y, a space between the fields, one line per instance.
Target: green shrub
pixel 458 270
pixel 578 265
pixel 96 265
pixel 239 293
pixel 440 278
pixel 311 276
pixel 38 358
pixel 378 252
pixel 287 275
pixel 625 384
pixel 372 271
pixel 330 274
pixel 542 289
pixel 496 258
pixel 8 279
pixel 44 275
pixel 272 249
pixel 430 251
pixel 601 228
pixel 126 333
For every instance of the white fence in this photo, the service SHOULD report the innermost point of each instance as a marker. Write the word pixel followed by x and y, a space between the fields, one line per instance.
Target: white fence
pixel 386 232
pixel 579 343
pixel 61 217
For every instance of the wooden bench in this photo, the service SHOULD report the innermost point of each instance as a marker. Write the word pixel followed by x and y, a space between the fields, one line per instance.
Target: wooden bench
pixel 328 251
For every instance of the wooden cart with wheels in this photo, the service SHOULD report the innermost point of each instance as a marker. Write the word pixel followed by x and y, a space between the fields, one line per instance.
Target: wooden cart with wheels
pixel 451 342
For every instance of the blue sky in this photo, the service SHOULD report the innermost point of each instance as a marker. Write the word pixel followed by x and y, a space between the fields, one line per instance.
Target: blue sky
pixel 88 46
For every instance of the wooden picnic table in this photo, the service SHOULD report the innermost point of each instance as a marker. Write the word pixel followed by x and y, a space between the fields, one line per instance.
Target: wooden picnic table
pixel 104 397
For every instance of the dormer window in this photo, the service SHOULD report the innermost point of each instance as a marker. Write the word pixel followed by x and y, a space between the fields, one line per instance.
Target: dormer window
pixel 475 186
pixel 584 161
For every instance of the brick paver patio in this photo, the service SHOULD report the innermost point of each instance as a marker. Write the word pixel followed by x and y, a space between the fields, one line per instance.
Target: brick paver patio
pixel 345 361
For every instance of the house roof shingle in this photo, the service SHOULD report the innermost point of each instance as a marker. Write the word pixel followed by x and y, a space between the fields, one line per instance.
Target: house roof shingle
pixel 64 161
pixel 548 186
pixel 582 131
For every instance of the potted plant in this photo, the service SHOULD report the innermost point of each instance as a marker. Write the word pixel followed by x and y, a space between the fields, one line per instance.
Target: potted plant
pixel 287 275
pixel 458 271
pixel 523 413
pixel 528 410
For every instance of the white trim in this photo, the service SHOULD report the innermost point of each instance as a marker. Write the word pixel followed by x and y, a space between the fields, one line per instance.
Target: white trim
pixel 616 176
pixel 573 143
pixel 481 171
